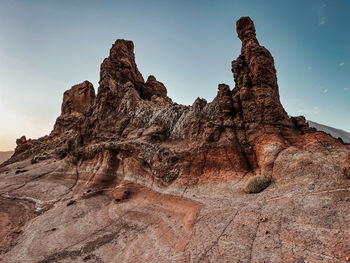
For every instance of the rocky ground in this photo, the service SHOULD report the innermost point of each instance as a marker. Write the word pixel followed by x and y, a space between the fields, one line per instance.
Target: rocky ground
pixel 129 176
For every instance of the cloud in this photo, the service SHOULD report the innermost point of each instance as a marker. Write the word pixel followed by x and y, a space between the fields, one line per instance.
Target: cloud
pixel 308 111
pixel 341 64
pixel 323 89
pixel 322 19
pixel 346 89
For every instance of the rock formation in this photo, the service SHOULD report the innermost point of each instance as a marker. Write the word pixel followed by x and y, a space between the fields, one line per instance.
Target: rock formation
pixel 76 102
pixel 154 89
pixel 132 176
pixel 256 96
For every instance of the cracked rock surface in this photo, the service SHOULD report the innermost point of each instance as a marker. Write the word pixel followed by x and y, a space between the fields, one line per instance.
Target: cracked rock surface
pixel 127 175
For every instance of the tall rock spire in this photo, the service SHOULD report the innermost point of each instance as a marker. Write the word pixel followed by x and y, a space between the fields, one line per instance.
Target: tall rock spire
pixel 256 94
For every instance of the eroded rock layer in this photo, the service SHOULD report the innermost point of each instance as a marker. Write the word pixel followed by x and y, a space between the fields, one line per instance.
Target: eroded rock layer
pixel 129 176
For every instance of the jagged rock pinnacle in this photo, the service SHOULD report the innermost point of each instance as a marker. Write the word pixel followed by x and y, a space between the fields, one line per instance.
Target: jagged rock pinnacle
pixel 256 91
pixel 245 28
pixel 120 65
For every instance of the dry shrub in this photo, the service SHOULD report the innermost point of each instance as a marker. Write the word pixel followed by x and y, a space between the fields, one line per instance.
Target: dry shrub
pixel 256 184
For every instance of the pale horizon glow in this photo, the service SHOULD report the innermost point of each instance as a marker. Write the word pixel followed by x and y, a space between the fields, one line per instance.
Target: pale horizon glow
pixel 48 46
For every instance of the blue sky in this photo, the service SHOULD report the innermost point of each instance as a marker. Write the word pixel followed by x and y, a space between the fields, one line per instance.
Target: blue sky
pixel 48 46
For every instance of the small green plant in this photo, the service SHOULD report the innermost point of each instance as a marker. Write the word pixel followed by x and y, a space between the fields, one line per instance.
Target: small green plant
pixel 256 184
pixel 346 170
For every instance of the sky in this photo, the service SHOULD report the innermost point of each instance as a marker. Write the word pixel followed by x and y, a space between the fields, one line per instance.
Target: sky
pixel 48 46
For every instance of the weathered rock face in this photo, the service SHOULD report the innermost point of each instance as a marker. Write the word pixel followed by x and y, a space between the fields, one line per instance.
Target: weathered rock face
pixel 78 99
pixel 300 123
pixel 120 65
pixel 76 102
pixel 131 175
pixel 22 144
pixel 256 96
pixel 154 89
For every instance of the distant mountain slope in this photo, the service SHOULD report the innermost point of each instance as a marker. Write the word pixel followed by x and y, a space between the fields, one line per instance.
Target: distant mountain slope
pixel 5 155
pixel 332 131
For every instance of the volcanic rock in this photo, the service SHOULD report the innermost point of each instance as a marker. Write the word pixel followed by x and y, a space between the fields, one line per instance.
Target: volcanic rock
pixel 178 173
pixel 78 99
pixel 154 89
pixel 256 93
pixel 300 123
pixel 120 65
pixel 76 102
pixel 21 140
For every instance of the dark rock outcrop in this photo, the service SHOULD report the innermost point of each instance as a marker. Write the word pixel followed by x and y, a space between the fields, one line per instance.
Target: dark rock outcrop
pixel 77 101
pixel 153 89
pixel 22 145
pixel 300 123
pixel 120 66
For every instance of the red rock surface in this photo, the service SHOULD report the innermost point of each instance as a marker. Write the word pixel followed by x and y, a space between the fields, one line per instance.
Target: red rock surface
pixel 153 89
pixel 76 102
pixel 130 176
